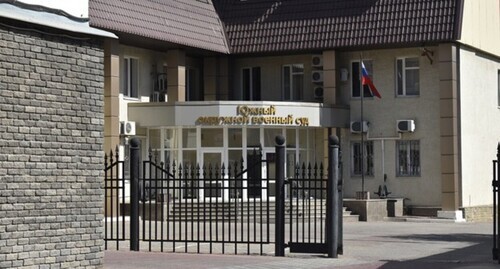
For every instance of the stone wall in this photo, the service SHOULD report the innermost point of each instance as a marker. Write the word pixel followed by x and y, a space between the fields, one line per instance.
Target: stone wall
pixel 51 158
pixel 478 213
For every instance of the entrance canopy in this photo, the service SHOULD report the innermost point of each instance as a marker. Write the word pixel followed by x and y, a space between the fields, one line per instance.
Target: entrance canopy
pixel 238 113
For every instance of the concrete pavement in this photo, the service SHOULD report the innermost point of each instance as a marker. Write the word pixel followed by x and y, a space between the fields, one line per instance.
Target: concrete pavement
pixel 367 245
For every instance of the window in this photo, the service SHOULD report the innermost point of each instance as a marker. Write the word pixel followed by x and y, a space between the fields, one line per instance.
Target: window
pixel 130 77
pixel 293 82
pixel 250 83
pixel 408 158
pixel 407 77
pixel 356 78
pixel 194 91
pixel 364 159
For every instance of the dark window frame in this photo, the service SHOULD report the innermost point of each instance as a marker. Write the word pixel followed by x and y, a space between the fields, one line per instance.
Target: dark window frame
pixel 408 158
pixel 367 158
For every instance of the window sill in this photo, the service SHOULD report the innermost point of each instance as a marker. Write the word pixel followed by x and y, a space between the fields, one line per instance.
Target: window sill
pixel 127 98
pixel 407 96
pixel 366 176
pixel 364 98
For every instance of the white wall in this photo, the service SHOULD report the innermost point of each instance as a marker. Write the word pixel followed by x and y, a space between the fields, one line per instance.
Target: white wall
pixel 480 125
pixel 481 25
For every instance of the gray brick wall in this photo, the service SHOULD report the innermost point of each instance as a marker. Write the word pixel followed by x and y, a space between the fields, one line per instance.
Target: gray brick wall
pixel 51 158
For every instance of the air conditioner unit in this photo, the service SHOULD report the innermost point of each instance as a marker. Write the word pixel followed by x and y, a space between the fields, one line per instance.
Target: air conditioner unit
pixel 404 126
pixel 317 61
pixel 127 128
pixel 359 127
pixel 318 92
pixel 317 76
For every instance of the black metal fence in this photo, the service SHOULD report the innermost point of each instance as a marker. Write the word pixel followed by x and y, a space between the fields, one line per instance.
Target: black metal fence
pixel 191 206
pixel 114 188
pixel 496 212
pixel 223 209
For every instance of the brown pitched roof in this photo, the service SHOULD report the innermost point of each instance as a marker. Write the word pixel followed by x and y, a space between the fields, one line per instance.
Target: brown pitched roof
pixel 254 26
pixel 185 22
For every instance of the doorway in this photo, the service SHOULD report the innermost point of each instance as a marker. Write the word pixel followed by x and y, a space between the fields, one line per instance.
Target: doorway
pixel 215 186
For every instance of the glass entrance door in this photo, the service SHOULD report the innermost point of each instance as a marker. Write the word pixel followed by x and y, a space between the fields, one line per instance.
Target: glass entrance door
pixel 260 176
pixel 254 175
pixel 270 175
pixel 213 183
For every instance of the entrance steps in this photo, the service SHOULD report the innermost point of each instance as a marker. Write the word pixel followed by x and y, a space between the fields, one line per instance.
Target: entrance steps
pixel 249 210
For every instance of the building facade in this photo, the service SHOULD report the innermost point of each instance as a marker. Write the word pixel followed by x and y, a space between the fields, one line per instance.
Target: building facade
pixel 212 81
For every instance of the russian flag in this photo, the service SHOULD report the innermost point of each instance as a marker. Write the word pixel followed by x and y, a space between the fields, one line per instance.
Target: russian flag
pixel 365 80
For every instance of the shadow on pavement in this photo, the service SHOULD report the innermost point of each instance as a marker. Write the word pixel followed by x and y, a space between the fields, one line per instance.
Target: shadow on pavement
pixel 477 254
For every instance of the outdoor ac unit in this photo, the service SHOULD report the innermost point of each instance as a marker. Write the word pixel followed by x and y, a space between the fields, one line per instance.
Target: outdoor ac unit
pixel 317 76
pixel 318 92
pixel 317 61
pixel 127 128
pixel 404 126
pixel 359 127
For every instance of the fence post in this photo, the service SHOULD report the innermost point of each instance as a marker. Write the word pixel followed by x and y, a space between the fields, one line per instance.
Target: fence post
pixel 340 208
pixel 134 193
pixel 332 197
pixel 279 247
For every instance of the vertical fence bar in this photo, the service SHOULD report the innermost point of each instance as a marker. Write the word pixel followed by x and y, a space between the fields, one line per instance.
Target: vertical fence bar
pixel 494 184
pixel 340 235
pixel 332 198
pixel 280 197
pixel 498 208
pixel 106 195
pixel 134 193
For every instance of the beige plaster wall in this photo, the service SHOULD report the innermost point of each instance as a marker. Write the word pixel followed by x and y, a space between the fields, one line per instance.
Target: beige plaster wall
pixel 383 114
pixel 481 25
pixel 271 78
pixel 480 129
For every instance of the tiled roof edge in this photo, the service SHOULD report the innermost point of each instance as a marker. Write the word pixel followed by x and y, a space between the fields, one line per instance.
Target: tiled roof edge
pixel 459 15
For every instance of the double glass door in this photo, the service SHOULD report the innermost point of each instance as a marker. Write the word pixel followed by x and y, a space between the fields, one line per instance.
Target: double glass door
pixel 214 186
pixel 261 171
pixel 257 183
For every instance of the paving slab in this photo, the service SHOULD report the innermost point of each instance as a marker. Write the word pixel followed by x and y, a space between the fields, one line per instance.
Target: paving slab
pixel 367 245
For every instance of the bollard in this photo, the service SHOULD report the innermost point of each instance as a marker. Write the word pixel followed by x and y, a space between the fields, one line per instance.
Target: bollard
pixel 280 197
pixel 134 193
pixel 332 197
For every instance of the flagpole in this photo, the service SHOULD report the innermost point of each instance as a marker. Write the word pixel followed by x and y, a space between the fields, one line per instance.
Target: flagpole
pixel 361 92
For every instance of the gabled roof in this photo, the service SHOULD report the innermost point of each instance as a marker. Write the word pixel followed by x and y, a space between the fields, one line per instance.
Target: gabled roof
pixel 257 26
pixel 190 23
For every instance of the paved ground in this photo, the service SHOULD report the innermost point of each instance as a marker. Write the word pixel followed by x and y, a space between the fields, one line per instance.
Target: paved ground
pixel 385 245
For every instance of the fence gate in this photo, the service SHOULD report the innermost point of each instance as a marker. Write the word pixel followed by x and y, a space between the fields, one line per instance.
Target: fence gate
pixel 203 209
pixel 218 209
pixel 312 206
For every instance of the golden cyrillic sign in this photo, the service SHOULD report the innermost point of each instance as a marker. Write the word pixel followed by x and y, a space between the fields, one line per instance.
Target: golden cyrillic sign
pixel 248 115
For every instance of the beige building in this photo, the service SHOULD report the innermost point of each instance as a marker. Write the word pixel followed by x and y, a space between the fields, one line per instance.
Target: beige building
pixel 211 81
